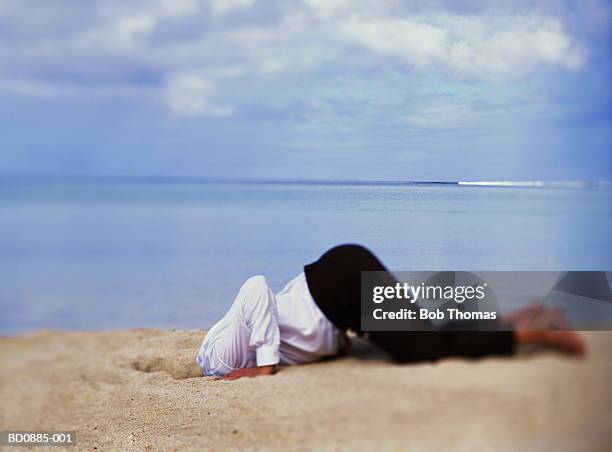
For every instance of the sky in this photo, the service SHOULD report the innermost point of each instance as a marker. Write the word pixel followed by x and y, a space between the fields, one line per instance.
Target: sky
pixel 310 89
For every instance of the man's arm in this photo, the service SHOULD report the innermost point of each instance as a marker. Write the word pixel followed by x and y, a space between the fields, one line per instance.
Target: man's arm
pixel 260 310
pixel 248 372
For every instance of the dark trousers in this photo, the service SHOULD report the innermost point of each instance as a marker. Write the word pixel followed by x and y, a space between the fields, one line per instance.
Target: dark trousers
pixel 334 282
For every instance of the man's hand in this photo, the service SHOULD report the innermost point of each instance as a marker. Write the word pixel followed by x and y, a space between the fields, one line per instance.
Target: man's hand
pixel 248 372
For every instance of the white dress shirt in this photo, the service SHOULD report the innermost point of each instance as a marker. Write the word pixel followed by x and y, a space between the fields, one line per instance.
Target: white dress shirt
pixel 263 329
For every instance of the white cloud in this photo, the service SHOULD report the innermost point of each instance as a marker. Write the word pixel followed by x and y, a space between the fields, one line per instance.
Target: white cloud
pixel 445 116
pixel 328 8
pixel 474 47
pixel 190 95
pixel 221 7
pixel 418 44
pixel 122 30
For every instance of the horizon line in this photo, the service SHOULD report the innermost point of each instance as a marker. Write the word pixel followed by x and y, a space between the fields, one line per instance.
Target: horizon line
pixel 50 178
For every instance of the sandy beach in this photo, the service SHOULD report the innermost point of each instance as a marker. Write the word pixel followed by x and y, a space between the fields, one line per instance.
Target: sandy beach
pixel 141 390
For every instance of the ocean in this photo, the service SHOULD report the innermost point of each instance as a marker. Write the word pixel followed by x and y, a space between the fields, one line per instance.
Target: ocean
pixel 97 256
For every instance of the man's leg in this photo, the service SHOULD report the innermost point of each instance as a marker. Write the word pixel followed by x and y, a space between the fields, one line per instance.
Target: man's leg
pixel 335 283
pixel 415 346
pixel 227 346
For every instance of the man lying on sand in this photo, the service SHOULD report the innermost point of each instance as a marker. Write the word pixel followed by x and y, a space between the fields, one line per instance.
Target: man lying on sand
pixel 309 318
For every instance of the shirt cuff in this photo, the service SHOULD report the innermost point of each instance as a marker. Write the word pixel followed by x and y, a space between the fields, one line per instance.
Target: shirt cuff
pixel 267 355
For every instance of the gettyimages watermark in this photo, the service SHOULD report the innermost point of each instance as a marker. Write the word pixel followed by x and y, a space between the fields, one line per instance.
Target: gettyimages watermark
pixel 481 301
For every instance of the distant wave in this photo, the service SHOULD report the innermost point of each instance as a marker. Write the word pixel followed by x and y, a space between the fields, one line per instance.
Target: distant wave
pixel 540 183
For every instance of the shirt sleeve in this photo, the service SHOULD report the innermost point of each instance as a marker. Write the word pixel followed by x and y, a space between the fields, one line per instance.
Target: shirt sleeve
pixel 262 318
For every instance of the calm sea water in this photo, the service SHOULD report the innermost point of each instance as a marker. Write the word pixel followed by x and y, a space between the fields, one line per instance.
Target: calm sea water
pixel 174 255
